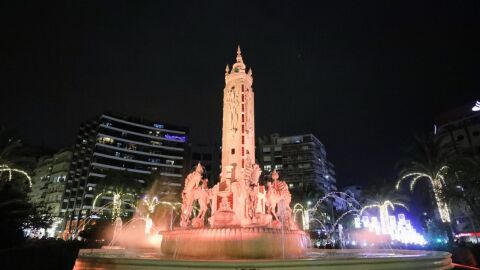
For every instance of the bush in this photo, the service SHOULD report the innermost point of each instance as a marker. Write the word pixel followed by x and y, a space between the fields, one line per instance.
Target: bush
pixel 41 254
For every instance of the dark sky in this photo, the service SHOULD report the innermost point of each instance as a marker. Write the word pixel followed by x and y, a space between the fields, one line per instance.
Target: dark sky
pixel 363 76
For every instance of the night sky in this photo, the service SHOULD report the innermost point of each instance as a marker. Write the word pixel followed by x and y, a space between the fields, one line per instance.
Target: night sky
pixel 363 76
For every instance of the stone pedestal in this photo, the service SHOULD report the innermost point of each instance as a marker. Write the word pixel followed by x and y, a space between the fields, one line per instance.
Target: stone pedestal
pixel 222 219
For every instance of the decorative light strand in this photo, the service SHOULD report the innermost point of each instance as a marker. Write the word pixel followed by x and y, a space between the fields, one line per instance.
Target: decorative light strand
pixel 437 185
pixel 6 168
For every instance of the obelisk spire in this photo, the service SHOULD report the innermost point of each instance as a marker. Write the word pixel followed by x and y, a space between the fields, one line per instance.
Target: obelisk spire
pixel 239 55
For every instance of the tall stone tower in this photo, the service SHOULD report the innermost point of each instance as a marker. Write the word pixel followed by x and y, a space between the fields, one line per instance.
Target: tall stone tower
pixel 238 132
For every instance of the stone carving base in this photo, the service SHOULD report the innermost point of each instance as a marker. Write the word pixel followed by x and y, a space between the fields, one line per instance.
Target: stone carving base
pixel 234 243
pixel 197 222
pixel 222 219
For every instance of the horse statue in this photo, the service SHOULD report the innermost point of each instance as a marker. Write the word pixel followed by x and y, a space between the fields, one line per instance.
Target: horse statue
pixel 202 195
pixel 252 199
pixel 188 194
pixel 278 191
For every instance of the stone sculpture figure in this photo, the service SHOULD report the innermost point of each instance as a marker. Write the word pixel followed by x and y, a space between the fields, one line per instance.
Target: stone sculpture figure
pixel 202 194
pixel 253 192
pixel 188 194
pixel 224 205
pixel 277 191
pixel 233 105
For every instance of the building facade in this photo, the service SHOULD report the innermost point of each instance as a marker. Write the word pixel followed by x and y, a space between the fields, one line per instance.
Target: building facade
pixel 48 186
pixel 460 127
pixel 301 161
pixel 40 180
pixel 124 144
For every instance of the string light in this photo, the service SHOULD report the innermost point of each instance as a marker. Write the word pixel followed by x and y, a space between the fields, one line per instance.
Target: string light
pixel 437 185
pixel 150 203
pixel 6 168
pixel 383 209
pixel 119 198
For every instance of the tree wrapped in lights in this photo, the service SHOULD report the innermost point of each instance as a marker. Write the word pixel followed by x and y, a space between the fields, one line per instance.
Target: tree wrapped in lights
pixel 121 187
pixel 5 169
pixel 383 197
pixel 430 161
pixel 463 185
pixel 311 210
pixel 150 203
pixel 16 211
pixel 384 215
pixel 13 157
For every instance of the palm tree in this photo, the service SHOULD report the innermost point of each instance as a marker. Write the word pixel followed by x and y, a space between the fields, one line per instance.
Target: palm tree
pixel 16 211
pixel 383 191
pixel 463 184
pixel 122 187
pixel 12 157
pixel 383 197
pixel 429 161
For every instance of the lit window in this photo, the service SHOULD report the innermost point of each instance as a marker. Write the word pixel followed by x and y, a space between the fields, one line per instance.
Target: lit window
pixel 132 147
pixel 267 167
pixel 291 185
pixel 278 167
pixel 169 162
pixel 105 140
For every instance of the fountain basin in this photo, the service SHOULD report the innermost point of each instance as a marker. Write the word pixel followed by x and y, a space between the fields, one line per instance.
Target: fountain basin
pixel 234 243
pixel 348 259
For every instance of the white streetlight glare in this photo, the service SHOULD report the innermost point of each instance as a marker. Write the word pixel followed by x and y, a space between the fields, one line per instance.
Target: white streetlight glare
pixel 476 108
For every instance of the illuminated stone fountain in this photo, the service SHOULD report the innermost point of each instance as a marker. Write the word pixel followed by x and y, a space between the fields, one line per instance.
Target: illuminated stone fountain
pixel 248 220
pixel 250 226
